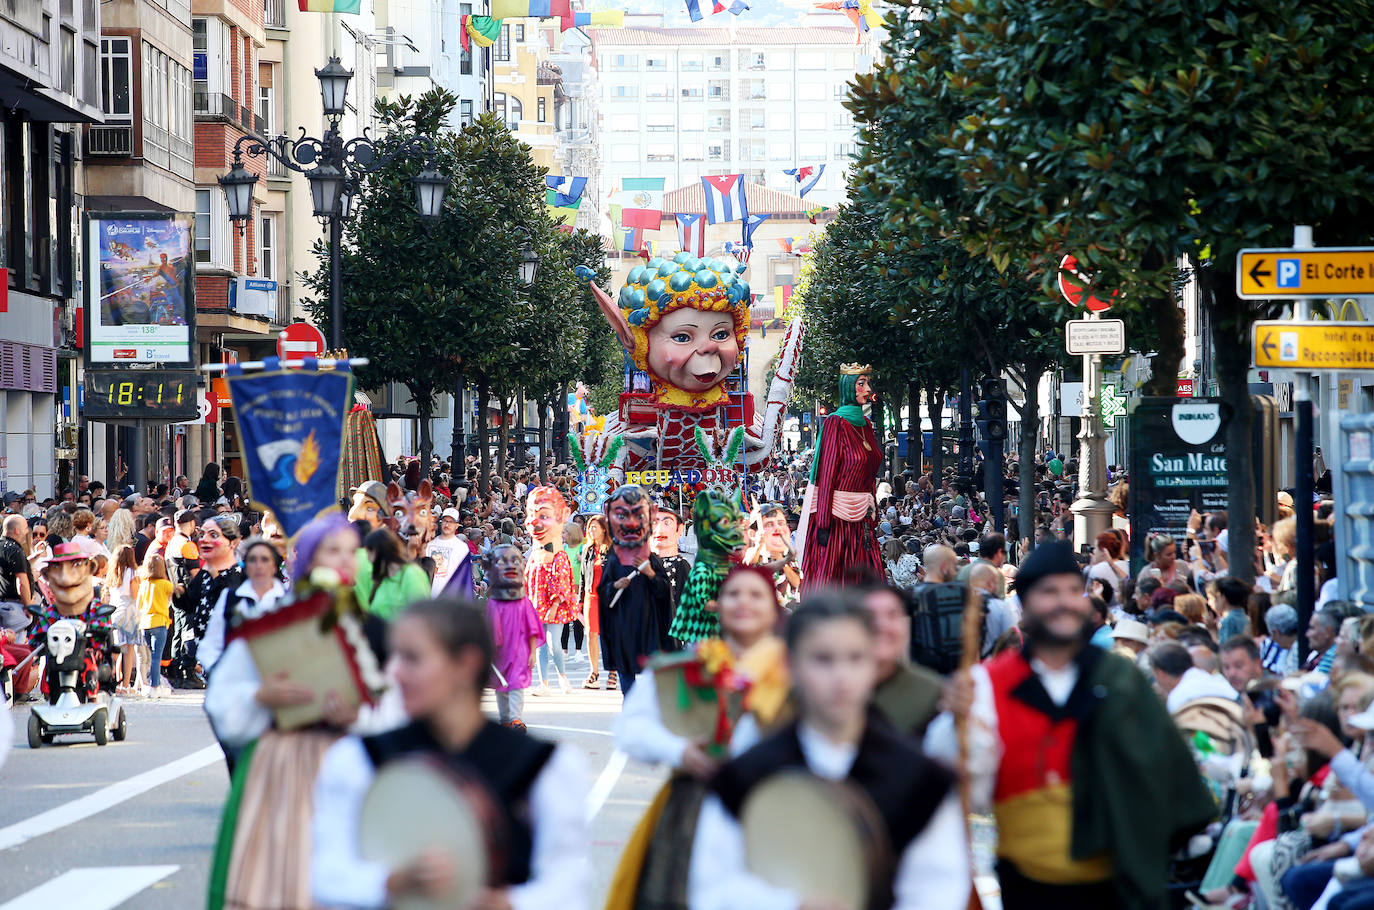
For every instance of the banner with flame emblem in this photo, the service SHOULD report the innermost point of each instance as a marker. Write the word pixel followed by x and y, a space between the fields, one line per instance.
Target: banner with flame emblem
pixel 291 426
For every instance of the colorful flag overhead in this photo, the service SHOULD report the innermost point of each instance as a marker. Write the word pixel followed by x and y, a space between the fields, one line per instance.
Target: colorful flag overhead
pixel 808 177
pixel 641 199
pixel 694 8
pixel 567 190
pixel 610 18
pixel 331 6
pixel 812 212
pixel 860 12
pixel 631 241
pixel 751 224
pixel 785 244
pixel 691 234
pixel 739 251
pixel 556 9
pixel 479 30
pixel 725 200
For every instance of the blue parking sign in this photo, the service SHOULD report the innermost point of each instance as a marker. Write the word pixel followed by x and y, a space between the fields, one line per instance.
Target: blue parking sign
pixel 1290 273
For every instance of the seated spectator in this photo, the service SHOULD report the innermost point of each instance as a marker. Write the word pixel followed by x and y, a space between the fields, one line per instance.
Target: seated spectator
pixel 1179 681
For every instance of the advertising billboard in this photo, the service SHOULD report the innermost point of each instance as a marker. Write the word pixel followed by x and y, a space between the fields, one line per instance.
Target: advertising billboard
pixel 141 283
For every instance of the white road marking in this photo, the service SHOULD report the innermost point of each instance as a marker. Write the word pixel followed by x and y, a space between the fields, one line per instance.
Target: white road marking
pixel 97 888
pixel 605 783
pixel 539 726
pixel 102 799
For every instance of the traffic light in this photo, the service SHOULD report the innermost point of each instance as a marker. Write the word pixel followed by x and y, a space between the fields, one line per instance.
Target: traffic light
pixel 992 411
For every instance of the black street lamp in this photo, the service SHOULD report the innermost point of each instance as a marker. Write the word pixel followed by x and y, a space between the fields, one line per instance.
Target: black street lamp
pixel 335 167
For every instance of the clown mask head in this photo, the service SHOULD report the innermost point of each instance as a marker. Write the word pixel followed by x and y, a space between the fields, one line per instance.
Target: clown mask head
pixel 69 576
pixel 507 572
pixel 546 511
pixel 629 514
pixel 369 504
pixel 667 529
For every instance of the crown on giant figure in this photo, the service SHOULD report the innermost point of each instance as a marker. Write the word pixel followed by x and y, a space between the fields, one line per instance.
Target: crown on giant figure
pixel 855 369
pixel 662 285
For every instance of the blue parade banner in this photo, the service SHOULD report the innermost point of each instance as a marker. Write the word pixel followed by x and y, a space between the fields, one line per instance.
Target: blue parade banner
pixel 291 426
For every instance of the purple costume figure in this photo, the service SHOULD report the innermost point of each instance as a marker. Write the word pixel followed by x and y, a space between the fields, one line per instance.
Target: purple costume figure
pixel 516 631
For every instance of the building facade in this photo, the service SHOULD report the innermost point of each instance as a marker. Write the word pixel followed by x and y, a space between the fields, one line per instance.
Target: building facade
pixel 50 84
pixel 682 103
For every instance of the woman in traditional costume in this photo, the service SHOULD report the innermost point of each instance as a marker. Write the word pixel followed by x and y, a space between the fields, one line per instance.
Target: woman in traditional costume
pixel 443 652
pixel 262 855
pixel 837 738
pixel 840 513
pixel 594 548
pixel 690 711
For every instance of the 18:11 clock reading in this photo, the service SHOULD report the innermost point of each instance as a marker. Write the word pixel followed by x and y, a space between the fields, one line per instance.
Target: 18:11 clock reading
pixel 127 393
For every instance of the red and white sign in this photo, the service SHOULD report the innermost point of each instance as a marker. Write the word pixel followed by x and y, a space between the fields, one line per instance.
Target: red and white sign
pixel 1074 285
pixel 300 340
pixel 1185 388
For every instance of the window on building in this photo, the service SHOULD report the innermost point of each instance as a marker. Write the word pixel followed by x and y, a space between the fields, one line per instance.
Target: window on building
pixel 717 122
pixel 717 91
pixel 692 121
pixel 267 108
pixel 267 246
pixel 692 63
pixel 756 151
pixel 811 151
pixel 811 91
pixel 660 151
pixel 498 104
pixel 656 64
pixel 465 112
pixel 715 61
pixel 811 119
pixel 715 152
pixel 116 76
pixel 623 123
pixel 780 151
pixel 811 60
pixel 691 91
pixel 203 218
pixel 779 120
pixel 625 62
pixel 839 90
pixel 691 151
pixel 756 120
pixel 519 33
pixel 840 120
pixel 515 112
pixel 543 110
pixel 624 152
pixel 503 44
pixel 625 91
pixel 844 150
pixel 756 60
pixel 843 61
pixel 659 123
pixel 658 90
pixel 780 91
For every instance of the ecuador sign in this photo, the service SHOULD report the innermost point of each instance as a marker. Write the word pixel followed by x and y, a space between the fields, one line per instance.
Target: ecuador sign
pixel 1265 274
pixel 1313 346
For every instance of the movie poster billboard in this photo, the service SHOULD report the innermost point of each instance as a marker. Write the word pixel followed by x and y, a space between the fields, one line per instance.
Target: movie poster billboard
pixel 140 306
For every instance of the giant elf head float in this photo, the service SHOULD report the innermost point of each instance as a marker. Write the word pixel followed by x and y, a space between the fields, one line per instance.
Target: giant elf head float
pixel 685 322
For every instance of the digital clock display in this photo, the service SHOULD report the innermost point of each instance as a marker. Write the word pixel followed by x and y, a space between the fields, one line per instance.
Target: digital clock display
pixel 161 394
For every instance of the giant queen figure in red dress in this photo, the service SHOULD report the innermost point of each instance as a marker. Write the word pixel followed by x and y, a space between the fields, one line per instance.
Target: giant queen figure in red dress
pixel 840 513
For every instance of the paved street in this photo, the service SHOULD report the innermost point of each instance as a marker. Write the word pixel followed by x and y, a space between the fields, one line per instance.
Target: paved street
pixel 145 811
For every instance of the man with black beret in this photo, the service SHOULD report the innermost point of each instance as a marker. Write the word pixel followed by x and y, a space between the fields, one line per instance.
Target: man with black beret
pixel 1091 783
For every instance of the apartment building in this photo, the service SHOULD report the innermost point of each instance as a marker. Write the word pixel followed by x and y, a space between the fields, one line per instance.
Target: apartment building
pixel 681 103
pixel 50 83
pixel 420 46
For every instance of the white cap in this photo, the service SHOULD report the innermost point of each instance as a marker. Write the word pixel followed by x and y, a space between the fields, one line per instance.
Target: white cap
pixel 452 513
pixel 1132 630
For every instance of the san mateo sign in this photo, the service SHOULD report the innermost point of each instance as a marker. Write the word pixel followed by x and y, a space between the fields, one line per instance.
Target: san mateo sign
pixel 1178 464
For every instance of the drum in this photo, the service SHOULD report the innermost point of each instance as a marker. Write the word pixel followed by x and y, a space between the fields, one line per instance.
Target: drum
pixel 416 804
pixel 816 837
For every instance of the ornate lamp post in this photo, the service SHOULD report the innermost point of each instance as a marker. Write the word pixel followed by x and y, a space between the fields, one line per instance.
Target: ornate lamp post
pixel 335 167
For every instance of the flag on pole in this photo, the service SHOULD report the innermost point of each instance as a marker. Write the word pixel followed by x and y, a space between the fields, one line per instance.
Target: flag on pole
pixel 725 200
pixel 691 234
pixel 751 224
pixel 641 199
pixel 567 190
pixel 331 6
pixel 808 177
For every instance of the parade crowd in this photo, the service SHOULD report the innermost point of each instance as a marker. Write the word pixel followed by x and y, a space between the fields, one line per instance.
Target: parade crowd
pixel 1133 735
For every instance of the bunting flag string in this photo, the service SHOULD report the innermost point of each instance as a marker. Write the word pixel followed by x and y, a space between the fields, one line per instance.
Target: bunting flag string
pixel 860 12
pixel 331 6
pixel 807 177
pixel 556 9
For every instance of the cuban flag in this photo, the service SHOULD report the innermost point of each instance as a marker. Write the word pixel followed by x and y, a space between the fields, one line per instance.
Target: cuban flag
pixel 567 190
pixel 739 251
pixel 725 198
pixel 691 234
pixel 751 224
pixel 808 177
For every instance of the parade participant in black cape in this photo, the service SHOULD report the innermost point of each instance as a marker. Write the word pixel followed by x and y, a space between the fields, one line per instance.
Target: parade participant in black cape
pixel 442 653
pixel 634 597
pixel 1089 780
pixel 838 737
pixel 663 543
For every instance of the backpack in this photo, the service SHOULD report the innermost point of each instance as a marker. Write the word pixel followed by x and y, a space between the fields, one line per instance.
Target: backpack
pixel 937 625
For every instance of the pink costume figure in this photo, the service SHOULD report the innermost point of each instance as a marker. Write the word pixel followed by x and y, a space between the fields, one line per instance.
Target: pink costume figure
pixel 685 323
pixel 516 631
pixel 549 576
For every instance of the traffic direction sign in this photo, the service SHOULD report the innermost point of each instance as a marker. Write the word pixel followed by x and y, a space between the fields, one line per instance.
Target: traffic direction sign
pixel 1330 272
pixel 1313 346
pixel 300 340
pixel 1095 336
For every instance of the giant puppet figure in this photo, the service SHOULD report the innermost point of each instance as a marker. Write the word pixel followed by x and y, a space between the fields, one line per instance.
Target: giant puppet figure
pixel 839 512
pixel 685 323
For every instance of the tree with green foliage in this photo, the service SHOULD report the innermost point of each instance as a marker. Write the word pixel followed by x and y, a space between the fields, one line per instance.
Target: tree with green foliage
pixel 1132 133
pixel 428 302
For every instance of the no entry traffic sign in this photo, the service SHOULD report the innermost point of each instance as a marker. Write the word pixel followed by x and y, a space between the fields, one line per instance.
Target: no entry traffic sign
pixel 1074 285
pixel 300 340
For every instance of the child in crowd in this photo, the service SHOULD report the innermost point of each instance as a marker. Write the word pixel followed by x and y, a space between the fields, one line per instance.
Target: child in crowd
pixel 517 631
pixel 154 614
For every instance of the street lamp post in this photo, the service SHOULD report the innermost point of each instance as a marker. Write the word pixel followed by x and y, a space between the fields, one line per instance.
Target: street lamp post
pixel 335 167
